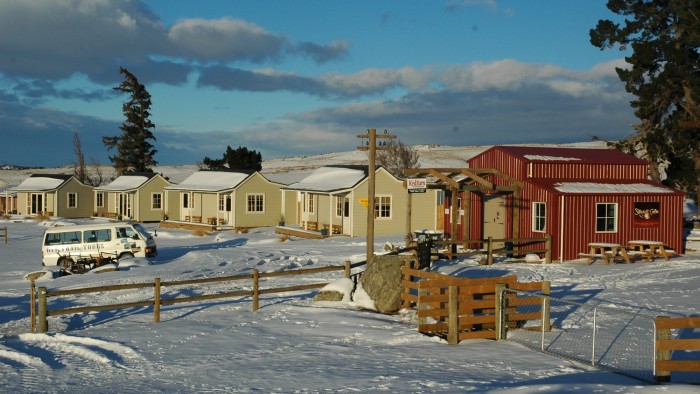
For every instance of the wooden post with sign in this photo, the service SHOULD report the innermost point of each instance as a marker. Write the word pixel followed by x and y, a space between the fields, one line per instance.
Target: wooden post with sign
pixel 371 146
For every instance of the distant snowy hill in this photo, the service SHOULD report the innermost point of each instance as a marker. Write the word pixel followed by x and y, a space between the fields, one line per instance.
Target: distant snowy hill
pixel 292 169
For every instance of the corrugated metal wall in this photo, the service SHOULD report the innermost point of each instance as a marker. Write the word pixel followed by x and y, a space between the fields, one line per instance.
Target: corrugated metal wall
pixel 580 219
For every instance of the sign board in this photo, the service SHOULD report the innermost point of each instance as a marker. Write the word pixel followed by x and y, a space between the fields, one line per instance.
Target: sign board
pixel 416 185
pixel 647 214
pixel 363 201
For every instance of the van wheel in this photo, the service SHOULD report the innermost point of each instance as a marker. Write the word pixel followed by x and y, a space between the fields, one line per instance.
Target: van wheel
pixel 66 263
pixel 126 256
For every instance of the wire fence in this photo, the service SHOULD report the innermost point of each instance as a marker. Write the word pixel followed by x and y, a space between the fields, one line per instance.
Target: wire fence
pixel 607 337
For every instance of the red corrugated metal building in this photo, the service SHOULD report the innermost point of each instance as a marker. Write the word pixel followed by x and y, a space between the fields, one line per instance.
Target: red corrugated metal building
pixel 576 196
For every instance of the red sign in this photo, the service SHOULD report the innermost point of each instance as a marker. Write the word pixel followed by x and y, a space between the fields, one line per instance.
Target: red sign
pixel 647 214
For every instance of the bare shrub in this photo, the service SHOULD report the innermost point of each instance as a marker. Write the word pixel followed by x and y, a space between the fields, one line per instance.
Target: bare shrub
pixel 200 233
pixel 284 238
pixel 397 157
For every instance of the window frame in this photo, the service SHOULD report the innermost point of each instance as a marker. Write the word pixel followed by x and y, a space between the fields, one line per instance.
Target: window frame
pixel 100 199
pixel 258 201
pixel 539 219
pixel 74 205
pixel 606 218
pixel 339 206
pixel 160 201
pixel 381 207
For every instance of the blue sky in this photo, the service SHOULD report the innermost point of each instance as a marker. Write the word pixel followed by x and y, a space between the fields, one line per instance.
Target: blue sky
pixel 291 78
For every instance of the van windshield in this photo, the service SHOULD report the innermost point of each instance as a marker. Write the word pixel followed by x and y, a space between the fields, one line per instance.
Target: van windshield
pixel 144 233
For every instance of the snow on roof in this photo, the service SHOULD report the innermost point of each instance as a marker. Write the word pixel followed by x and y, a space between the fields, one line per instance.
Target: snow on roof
pixel 590 187
pixel 40 183
pixel 550 158
pixel 211 181
pixel 125 182
pixel 582 155
pixel 329 179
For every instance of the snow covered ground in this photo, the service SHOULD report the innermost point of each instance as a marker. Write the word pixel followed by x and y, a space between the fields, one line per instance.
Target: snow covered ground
pixel 292 344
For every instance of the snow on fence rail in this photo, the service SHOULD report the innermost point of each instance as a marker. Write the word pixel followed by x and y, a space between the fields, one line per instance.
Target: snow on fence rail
pixel 41 298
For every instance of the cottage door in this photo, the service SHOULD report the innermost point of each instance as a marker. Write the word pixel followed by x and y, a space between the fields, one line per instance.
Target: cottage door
pixel 495 217
pixel 185 206
pixel 36 204
pixel 346 216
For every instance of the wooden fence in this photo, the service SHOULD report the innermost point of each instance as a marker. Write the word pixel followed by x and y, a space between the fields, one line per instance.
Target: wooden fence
pixel 41 298
pixel 486 247
pixel 4 232
pixel 467 308
pixel 664 345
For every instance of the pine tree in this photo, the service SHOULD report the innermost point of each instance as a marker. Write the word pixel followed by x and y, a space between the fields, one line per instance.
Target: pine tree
pixel 664 75
pixel 238 159
pixel 134 150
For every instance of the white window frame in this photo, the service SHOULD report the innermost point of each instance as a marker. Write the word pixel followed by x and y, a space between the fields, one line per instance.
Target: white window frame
pixel 68 202
pixel 380 201
pixel 100 199
pixel 160 201
pixel 606 217
pixel 539 217
pixel 255 197
pixel 339 205
pixel 310 203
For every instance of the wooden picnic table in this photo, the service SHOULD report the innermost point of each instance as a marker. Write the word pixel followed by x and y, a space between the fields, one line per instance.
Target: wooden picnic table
pixel 648 249
pixel 608 252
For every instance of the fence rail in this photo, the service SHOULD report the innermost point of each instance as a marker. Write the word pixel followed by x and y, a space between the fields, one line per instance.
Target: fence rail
pixel 487 247
pixel 39 300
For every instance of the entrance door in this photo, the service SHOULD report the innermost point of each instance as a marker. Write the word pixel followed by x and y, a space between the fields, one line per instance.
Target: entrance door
pixel 448 214
pixel 346 216
pixel 36 203
pixel 124 206
pixel 185 206
pixel 495 217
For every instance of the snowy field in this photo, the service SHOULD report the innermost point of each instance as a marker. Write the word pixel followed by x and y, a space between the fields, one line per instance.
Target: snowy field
pixel 293 344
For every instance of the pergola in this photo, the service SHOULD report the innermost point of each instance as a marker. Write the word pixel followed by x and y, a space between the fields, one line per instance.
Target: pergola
pixel 471 180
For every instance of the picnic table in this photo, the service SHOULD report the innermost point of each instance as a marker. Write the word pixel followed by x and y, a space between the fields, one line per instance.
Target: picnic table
pixel 648 249
pixel 608 252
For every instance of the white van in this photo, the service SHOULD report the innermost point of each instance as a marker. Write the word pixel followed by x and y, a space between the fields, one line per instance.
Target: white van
pixel 65 245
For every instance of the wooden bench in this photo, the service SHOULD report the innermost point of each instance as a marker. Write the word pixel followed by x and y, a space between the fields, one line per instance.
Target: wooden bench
pixel 313 226
pixel 337 229
pixel 591 256
pixel 197 219
pixel 648 250
pixel 111 215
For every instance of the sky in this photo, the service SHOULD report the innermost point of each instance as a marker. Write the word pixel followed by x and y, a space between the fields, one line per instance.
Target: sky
pixel 295 78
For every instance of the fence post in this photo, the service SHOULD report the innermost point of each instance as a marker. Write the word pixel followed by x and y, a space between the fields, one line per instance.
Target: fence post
pixel 546 301
pixel 489 251
pixel 548 253
pixel 256 290
pixel 43 323
pixel 661 355
pixel 347 268
pixel 500 312
pixel 5 234
pixel 453 316
pixel 32 308
pixel 422 306
pixel 156 301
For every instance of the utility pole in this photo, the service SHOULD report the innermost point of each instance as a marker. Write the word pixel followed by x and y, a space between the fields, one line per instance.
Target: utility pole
pixel 371 146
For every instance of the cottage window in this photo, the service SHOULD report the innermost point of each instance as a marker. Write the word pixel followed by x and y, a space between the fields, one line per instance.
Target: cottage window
pixel 539 216
pixel 156 200
pixel 225 202
pixel 72 200
pixel 256 203
pixel 339 205
pixel 100 197
pixel 606 218
pixel 382 207
pixel 310 203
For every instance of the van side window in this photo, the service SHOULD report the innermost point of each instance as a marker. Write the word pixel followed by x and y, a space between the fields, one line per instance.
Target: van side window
pixel 97 235
pixel 68 237
pixel 125 232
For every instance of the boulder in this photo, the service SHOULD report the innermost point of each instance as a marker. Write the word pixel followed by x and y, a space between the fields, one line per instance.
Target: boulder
pixel 382 281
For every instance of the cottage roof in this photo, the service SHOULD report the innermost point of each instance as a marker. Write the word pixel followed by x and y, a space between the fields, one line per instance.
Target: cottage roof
pixel 42 182
pixel 128 182
pixel 331 178
pixel 571 155
pixel 211 181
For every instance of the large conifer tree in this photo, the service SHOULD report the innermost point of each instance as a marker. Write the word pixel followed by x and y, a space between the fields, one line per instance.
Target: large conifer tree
pixel 134 150
pixel 664 75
